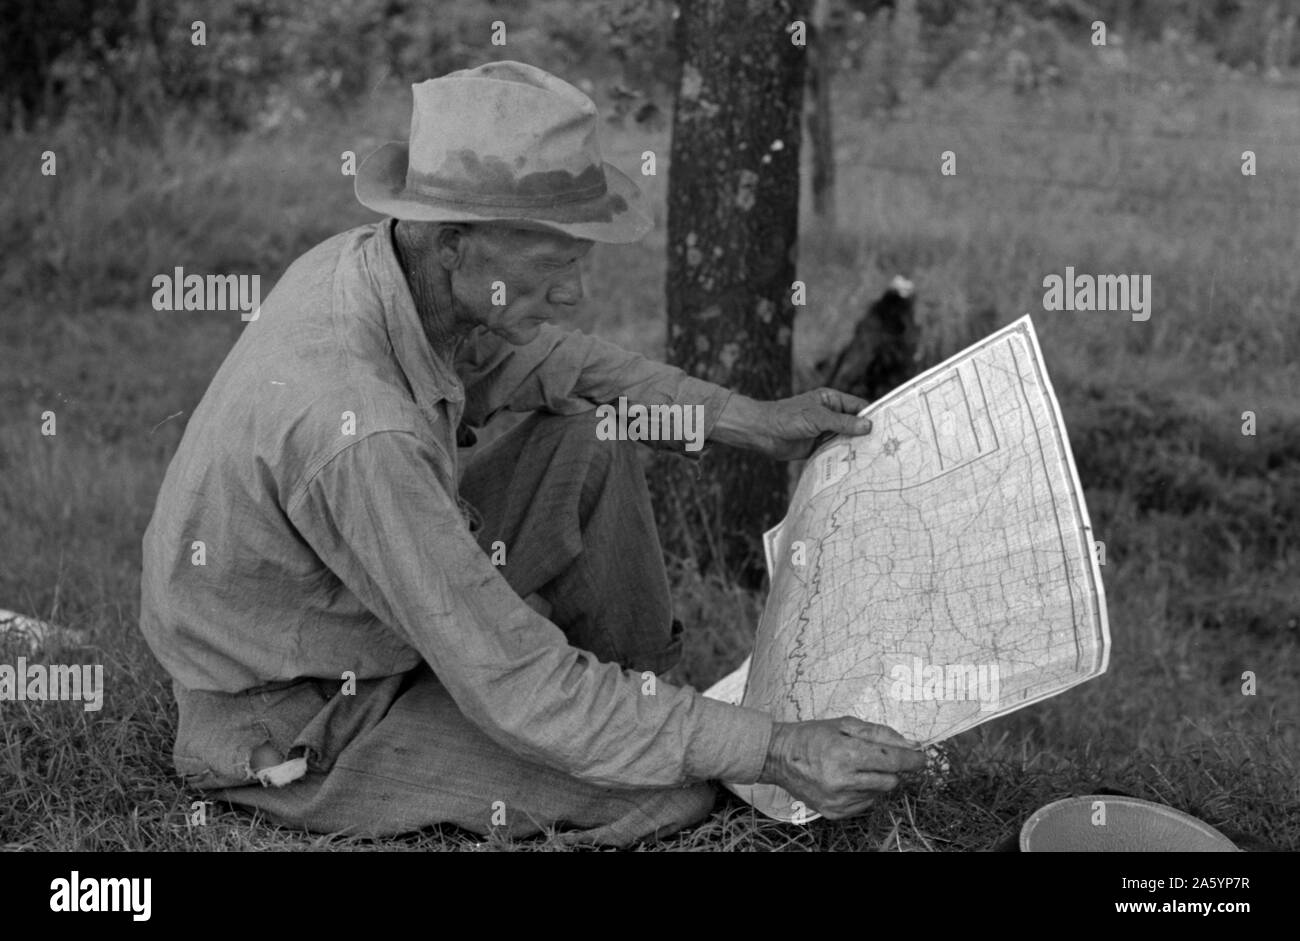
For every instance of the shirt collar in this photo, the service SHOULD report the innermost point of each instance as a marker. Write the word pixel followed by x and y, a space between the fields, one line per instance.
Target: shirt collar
pixel 429 376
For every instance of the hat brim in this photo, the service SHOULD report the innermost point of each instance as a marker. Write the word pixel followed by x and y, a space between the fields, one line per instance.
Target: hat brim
pixel 617 217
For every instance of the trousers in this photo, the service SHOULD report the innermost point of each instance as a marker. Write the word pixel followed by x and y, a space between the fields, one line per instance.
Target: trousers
pixel 574 514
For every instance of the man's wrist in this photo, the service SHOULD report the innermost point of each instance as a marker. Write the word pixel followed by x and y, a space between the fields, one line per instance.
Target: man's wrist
pixel 738 419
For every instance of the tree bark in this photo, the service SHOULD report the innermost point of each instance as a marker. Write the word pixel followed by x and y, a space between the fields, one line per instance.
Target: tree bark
pixel 733 213
pixel 821 139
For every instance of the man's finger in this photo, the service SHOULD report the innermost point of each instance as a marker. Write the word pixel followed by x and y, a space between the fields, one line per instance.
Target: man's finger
pixel 841 423
pixel 842 402
pixel 874 782
pixel 872 756
pixel 871 732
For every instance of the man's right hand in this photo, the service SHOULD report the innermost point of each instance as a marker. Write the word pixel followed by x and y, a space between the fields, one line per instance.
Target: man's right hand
pixel 837 766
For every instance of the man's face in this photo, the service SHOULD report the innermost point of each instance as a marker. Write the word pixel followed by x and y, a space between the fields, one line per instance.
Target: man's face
pixel 538 275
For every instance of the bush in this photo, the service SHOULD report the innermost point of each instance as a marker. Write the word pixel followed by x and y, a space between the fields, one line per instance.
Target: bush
pixel 131 61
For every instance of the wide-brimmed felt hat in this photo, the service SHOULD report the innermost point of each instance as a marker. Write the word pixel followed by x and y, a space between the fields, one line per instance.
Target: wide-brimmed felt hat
pixel 507 143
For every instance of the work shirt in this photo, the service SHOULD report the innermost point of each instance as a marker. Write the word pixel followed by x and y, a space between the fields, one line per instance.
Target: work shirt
pixel 308 528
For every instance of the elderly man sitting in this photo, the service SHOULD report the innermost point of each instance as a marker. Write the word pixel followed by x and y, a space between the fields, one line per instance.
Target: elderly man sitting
pixel 319 574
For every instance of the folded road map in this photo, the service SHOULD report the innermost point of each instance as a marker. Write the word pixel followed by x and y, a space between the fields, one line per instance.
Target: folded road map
pixel 936 573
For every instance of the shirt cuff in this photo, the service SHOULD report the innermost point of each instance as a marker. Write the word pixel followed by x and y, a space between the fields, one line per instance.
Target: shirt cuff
pixel 731 744
pixel 712 396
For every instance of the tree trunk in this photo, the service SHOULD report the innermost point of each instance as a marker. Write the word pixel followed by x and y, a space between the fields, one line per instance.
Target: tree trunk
pixel 820 137
pixel 733 212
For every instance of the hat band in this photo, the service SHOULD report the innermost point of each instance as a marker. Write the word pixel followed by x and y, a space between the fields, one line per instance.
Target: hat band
pixel 427 185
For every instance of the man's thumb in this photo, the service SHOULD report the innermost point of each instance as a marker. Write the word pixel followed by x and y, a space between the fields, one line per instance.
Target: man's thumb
pixel 843 424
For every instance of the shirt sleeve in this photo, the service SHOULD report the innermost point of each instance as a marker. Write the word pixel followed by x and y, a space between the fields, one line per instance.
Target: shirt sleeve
pixel 381 516
pixel 566 372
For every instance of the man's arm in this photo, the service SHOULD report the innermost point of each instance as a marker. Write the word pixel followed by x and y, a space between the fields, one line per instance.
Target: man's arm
pixel 568 372
pixel 380 516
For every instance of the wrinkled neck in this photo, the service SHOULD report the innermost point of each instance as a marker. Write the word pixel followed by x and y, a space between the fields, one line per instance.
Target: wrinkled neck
pixel 430 287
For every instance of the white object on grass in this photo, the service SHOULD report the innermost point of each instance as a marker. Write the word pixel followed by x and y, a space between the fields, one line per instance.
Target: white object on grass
pixel 1111 823
pixel 34 633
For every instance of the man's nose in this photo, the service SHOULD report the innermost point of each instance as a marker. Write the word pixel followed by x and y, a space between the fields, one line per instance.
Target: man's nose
pixel 567 292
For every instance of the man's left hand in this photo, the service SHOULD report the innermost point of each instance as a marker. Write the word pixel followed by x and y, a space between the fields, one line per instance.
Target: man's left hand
pixel 788 429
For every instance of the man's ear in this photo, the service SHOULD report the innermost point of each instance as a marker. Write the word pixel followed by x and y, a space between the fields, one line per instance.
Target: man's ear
pixel 451 243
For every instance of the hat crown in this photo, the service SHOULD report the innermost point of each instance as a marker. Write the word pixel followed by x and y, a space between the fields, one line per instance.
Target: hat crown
pixel 506 134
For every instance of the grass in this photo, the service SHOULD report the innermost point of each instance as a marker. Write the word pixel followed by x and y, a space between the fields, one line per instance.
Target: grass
pixel 1199 521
